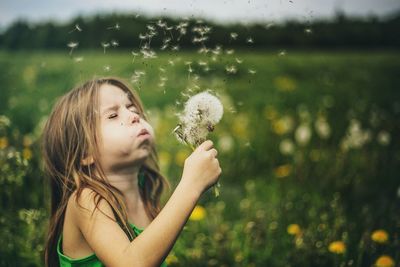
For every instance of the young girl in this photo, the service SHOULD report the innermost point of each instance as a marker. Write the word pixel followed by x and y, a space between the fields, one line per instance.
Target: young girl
pixel 99 152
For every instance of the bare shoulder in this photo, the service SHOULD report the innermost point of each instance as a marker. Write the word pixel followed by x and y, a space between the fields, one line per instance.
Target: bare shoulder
pixel 99 228
pixel 84 207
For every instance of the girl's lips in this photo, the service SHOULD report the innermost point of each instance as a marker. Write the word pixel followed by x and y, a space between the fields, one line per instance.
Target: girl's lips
pixel 146 135
pixel 143 132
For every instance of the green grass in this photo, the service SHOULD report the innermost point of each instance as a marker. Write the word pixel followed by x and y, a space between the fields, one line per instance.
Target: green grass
pixel 330 192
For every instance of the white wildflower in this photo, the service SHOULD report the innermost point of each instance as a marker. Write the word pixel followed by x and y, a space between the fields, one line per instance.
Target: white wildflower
pixel 286 147
pixel 322 127
pixel 303 134
pixel 383 138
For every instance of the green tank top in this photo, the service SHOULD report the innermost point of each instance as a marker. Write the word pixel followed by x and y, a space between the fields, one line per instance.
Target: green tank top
pixel 89 261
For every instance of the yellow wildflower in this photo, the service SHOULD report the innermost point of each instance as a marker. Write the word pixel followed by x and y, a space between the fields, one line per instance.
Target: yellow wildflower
pixel 171 259
pixel 283 125
pixel 27 153
pixel 3 142
pixel 283 170
pixel 337 247
pixel 198 213
pixel 294 229
pixel 384 261
pixel 240 126
pixel 380 236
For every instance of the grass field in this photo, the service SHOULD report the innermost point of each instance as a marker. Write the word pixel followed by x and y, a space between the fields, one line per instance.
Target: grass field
pixel 308 146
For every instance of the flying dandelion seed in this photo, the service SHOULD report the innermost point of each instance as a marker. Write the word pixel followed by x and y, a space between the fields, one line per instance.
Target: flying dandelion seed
pixel 171 62
pixel 203 50
pixel 202 63
pixel 114 43
pixel 147 53
pixel 143 36
pixel 105 46
pixel 107 68
pixel 134 54
pixel 161 23
pixel 308 31
pixel 175 48
pixel 201 113
pixel 239 61
pixel 251 71
pixel 72 45
pixel 234 35
pixel 269 25
pixel 115 27
pixel 249 40
pixel 231 69
pixel 150 28
pixel 77 28
pixel 78 59
pixel 282 53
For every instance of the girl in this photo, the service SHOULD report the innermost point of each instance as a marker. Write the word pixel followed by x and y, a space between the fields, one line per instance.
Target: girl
pixel 99 151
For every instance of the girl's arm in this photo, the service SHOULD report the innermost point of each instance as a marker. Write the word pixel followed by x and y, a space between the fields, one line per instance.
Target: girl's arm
pixel 150 248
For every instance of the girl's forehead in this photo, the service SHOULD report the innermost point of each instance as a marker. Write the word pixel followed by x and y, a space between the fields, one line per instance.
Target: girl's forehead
pixel 111 94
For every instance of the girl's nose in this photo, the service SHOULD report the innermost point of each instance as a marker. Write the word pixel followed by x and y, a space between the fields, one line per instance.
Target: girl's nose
pixel 134 117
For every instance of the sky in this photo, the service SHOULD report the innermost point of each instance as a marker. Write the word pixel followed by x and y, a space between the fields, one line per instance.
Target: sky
pixel 223 11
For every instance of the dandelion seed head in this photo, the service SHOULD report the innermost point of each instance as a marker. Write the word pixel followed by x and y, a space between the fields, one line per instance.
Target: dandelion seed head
pixel 203 108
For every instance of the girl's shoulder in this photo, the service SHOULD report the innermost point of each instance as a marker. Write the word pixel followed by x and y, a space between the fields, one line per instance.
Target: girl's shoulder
pixel 88 204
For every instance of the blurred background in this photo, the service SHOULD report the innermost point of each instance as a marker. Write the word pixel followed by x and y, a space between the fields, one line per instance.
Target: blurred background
pixel 309 142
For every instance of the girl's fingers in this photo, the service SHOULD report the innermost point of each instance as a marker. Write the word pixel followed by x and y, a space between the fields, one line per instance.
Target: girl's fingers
pixel 206 145
pixel 214 152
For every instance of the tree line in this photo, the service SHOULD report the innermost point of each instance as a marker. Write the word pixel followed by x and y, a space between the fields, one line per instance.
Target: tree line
pixel 130 31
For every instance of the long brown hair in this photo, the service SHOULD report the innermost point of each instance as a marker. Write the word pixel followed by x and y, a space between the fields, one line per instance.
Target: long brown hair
pixel 68 137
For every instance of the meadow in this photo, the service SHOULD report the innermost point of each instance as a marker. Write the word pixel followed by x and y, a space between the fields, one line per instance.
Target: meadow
pixel 308 146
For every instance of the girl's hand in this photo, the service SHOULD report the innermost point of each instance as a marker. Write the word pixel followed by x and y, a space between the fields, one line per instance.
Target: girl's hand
pixel 201 169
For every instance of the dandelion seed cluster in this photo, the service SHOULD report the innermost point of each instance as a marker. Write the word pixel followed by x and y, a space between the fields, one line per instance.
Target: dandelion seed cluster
pixel 201 113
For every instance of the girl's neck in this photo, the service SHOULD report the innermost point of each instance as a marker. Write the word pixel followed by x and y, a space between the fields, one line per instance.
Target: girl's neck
pixel 127 182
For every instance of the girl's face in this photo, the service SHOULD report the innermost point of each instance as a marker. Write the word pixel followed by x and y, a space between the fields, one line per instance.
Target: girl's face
pixel 122 145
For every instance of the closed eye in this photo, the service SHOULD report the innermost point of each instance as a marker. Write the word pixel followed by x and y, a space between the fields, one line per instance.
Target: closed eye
pixel 112 116
pixel 132 108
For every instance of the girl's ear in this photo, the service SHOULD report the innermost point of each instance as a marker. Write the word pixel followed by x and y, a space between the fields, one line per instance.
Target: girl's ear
pixel 87 161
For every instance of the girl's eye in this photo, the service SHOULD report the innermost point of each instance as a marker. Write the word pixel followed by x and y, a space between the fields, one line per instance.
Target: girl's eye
pixel 133 109
pixel 112 116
